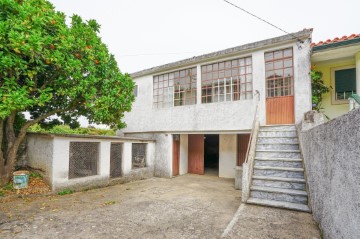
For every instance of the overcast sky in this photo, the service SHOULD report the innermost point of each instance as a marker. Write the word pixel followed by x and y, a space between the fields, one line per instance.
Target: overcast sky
pixel 142 33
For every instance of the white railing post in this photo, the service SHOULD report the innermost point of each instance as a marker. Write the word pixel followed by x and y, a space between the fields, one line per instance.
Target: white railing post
pixel 250 154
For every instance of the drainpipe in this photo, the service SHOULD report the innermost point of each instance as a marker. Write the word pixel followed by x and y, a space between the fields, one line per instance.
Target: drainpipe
pixel 357 59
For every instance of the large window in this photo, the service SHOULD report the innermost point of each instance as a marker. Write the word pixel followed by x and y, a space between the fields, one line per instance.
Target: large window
pixel 279 73
pixel 175 88
pixel 344 83
pixel 227 81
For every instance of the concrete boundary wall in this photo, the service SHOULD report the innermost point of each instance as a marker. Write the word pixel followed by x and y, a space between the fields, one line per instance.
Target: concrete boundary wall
pixel 51 153
pixel 331 154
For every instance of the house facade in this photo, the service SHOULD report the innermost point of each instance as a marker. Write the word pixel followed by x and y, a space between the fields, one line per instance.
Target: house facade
pixel 339 61
pixel 200 110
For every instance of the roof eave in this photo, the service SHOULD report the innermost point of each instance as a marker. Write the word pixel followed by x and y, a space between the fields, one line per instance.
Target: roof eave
pixel 304 34
pixel 334 45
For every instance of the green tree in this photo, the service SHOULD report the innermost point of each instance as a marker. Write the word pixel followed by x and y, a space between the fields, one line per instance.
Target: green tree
pixel 318 88
pixel 50 68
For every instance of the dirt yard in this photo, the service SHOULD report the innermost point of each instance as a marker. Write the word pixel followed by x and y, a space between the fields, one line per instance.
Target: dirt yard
pixel 189 206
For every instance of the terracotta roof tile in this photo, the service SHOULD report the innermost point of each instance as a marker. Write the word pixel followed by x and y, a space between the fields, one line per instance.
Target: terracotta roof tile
pixel 336 39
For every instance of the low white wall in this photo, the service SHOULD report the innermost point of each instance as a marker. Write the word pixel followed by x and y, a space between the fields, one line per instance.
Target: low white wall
pixel 227 155
pixel 60 168
pixel 51 153
pixel 39 154
pixel 184 141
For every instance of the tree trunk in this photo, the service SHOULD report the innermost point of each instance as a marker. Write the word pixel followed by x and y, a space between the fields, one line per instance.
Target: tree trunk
pixel 8 151
pixel 3 175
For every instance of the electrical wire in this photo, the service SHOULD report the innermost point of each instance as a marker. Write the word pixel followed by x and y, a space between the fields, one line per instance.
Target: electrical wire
pixel 168 53
pixel 261 19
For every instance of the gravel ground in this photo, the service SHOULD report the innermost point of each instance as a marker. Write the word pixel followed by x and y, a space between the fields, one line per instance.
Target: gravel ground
pixel 189 206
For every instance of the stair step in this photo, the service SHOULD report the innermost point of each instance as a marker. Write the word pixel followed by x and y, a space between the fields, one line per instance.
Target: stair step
pixel 278 151
pixel 278 133
pixel 279 168
pixel 279 190
pixel 279 204
pixel 284 136
pixel 292 154
pixel 279 159
pixel 275 143
pixel 277 146
pixel 276 130
pixel 294 180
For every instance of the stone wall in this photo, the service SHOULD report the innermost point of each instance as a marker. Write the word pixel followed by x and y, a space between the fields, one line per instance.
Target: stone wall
pixel 331 154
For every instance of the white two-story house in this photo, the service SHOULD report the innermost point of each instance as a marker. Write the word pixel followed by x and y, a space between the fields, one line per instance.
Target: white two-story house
pixel 201 110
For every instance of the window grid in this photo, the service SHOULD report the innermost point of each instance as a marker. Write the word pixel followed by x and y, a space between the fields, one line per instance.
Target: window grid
pixel 279 72
pixel 227 81
pixel 175 88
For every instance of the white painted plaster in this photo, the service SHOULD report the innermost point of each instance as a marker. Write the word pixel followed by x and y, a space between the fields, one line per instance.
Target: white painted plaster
pixel 302 80
pixel 184 140
pixel 40 153
pixel 227 155
pixel 127 160
pixel 224 116
pixel 51 153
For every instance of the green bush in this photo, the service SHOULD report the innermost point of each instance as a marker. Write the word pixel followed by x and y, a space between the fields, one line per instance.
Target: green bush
pixel 35 175
pixel 65 129
pixel 66 191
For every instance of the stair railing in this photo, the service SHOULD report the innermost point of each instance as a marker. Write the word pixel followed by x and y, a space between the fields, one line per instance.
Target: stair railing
pixel 248 165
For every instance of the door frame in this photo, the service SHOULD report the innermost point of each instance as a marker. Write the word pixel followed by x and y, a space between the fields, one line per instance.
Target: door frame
pixel 176 155
pixel 283 103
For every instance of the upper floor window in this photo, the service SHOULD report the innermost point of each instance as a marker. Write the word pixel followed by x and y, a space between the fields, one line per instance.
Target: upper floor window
pixel 175 88
pixel 279 73
pixel 344 83
pixel 227 81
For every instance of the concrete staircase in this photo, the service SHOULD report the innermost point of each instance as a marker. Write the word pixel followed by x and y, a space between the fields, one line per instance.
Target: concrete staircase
pixel 278 178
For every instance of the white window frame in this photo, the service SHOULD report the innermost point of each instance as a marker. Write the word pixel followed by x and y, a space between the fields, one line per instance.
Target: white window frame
pixel 334 101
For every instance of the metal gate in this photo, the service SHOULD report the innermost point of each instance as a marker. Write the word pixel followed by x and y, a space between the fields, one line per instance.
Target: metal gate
pixel 83 159
pixel 116 150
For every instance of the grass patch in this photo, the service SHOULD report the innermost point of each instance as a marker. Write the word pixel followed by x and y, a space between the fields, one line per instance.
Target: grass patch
pixel 65 192
pixel 2 193
pixel 8 187
pixel 35 175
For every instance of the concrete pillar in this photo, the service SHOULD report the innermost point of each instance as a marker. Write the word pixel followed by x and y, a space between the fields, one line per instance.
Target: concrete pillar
pixel 198 85
pixel 183 154
pixel 227 155
pixel 104 159
pixel 357 58
pixel 126 158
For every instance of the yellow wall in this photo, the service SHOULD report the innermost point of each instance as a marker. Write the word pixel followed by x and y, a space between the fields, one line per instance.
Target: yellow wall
pixel 332 110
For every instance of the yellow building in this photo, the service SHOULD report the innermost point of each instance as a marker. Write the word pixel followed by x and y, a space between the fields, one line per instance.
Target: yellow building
pixel 339 61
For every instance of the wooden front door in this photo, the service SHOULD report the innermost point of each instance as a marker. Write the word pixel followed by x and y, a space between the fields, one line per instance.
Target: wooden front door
pixel 242 146
pixel 196 154
pixel 279 87
pixel 176 156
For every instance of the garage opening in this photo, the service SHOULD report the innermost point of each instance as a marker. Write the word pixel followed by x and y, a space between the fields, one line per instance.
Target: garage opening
pixel 211 154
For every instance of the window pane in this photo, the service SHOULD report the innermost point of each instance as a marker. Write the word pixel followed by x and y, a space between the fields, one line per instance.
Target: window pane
pixel 288 52
pixel 288 62
pixel 268 56
pixel 278 54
